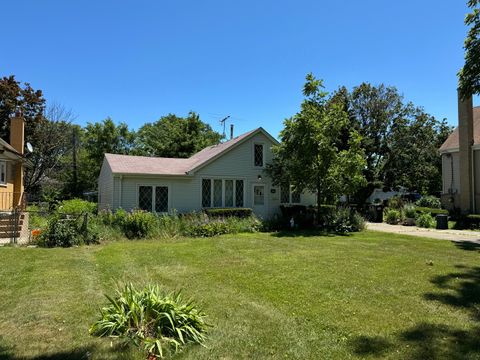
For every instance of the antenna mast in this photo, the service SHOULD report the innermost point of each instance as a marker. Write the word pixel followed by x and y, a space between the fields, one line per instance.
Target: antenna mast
pixel 223 123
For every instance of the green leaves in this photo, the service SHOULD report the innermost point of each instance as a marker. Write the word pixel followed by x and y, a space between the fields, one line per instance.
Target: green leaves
pixel 156 322
pixel 176 137
pixel 469 75
pixel 318 150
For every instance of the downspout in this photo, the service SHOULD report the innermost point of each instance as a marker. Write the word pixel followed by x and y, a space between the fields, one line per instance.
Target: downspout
pixel 121 192
pixel 473 181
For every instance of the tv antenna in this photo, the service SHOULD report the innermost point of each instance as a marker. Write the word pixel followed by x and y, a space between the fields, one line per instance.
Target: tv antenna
pixel 223 123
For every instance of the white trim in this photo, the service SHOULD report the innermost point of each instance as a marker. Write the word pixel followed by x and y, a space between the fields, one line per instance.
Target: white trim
pixel 453 150
pixel 265 197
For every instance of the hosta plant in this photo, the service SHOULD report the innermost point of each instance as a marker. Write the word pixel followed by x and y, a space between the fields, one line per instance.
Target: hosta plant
pixel 157 323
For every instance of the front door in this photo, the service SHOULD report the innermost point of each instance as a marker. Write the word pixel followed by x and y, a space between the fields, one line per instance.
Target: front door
pixel 259 200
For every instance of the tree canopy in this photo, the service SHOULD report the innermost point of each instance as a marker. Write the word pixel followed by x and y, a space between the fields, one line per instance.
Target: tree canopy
pixel 469 75
pixel 17 97
pixel 176 137
pixel 400 140
pixel 318 151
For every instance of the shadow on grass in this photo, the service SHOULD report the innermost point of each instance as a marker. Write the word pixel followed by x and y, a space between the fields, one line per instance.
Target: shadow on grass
pixel 372 346
pixel 466 245
pixel 460 290
pixel 82 353
pixel 307 233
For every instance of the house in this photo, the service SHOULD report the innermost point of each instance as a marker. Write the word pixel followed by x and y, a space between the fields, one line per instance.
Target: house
pixel 461 161
pixel 230 174
pixel 13 219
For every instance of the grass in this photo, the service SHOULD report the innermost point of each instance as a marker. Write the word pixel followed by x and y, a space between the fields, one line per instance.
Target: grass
pixel 368 295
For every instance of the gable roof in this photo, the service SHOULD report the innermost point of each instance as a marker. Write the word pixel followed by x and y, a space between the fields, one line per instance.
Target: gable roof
pixel 452 143
pixel 10 149
pixel 144 165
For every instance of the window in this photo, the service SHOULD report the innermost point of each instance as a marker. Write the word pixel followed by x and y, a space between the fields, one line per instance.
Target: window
pixel 222 193
pixel 217 193
pixel 295 197
pixel 258 155
pixel 284 194
pixel 239 193
pixel 3 173
pixel 145 197
pixel 228 193
pixel 150 195
pixel 161 199
pixel 206 193
pixel 289 196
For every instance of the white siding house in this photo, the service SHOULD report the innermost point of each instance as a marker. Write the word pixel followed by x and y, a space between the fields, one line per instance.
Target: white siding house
pixel 451 169
pixel 230 174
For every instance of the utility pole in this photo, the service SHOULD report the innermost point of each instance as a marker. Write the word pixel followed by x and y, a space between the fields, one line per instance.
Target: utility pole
pixel 74 162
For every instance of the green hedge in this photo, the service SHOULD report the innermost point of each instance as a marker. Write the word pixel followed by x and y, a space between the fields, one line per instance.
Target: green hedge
pixel 229 212
pixel 468 222
pixel 431 211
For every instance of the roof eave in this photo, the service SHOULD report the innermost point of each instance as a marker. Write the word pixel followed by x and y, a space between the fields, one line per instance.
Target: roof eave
pixel 451 150
pixel 213 158
pixel 185 175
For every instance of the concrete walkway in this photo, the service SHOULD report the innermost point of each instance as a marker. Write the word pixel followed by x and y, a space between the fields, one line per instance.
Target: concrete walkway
pixel 452 235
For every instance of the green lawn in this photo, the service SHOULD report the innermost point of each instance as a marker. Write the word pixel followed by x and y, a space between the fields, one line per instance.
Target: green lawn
pixel 370 295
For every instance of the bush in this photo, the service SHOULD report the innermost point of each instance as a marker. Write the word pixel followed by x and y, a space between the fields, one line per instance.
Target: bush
pixel 208 229
pixel 431 211
pixel 467 222
pixel 156 323
pixel 429 201
pixel 67 232
pixel 396 203
pixel 341 220
pixel 425 220
pixel 138 224
pixel 409 211
pixel 76 207
pixel 392 216
pixel 229 212
pixel 110 218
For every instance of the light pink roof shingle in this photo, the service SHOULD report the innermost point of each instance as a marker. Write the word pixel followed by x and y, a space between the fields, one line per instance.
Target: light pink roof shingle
pixel 452 141
pixel 128 164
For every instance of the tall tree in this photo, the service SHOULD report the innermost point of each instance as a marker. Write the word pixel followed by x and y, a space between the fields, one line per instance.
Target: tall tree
pixel 51 141
pixel 176 137
pixel 413 161
pixel 17 97
pixel 105 137
pixel 469 75
pixel 313 154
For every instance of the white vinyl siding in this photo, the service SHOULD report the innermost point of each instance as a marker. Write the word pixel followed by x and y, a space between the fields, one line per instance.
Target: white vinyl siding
pixel 105 188
pixel 185 193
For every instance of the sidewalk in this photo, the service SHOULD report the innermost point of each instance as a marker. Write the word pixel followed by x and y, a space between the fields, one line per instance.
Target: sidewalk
pixel 452 235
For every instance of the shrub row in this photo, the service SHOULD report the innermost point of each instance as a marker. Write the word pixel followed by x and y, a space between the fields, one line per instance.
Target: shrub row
pixel 229 212
pixel 140 224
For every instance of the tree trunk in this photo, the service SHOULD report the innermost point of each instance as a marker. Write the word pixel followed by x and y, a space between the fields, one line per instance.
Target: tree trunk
pixel 319 198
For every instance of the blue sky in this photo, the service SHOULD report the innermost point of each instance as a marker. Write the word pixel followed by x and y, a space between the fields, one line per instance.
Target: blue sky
pixel 138 60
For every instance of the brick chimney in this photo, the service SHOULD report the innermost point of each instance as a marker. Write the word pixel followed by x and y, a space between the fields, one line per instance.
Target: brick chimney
pixel 465 132
pixel 17 140
pixel 17 129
